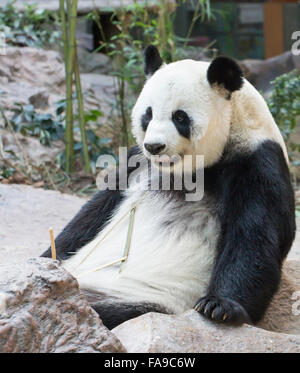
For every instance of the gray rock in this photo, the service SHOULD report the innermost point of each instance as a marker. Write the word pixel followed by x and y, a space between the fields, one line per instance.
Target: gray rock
pixel 42 310
pixel 192 333
pixel 283 314
pixel 31 75
pixel 36 153
pixel 261 72
pixel 40 100
pixel 97 63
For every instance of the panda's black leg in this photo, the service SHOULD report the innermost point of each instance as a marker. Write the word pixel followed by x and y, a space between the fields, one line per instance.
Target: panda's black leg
pixel 256 211
pixel 114 313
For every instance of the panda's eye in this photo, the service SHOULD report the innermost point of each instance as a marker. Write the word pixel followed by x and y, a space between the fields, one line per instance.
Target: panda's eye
pixel 146 118
pixel 180 117
pixel 182 123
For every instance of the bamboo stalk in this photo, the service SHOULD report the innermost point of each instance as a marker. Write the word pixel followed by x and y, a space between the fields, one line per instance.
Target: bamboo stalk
pixel 69 37
pixel 86 157
pixel 69 109
pixel 72 17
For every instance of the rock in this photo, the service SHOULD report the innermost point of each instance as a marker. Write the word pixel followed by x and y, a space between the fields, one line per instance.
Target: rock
pixel 97 63
pixel 37 76
pixel 283 315
pixel 192 333
pixel 40 100
pixel 28 72
pixel 279 331
pixel 36 153
pixel 42 310
pixel 85 41
pixel 261 72
pixel 26 213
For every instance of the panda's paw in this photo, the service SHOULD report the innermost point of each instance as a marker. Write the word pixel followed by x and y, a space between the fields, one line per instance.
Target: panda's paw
pixel 221 309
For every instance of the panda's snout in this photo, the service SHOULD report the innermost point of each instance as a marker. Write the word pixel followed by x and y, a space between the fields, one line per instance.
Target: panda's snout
pixel 154 148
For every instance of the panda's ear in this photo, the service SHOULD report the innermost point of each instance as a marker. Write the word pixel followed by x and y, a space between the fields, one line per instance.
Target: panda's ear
pixel 153 61
pixel 226 73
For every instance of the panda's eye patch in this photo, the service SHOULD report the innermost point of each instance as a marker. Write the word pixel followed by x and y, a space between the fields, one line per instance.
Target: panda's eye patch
pixel 181 117
pixel 182 123
pixel 146 118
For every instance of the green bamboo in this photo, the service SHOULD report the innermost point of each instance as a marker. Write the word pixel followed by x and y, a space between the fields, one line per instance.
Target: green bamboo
pixel 72 17
pixel 69 110
pixel 86 157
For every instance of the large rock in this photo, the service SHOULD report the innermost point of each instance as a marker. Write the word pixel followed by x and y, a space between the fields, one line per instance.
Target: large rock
pixel 283 314
pixel 37 76
pixel 261 72
pixel 191 333
pixel 279 331
pixel 42 310
pixel 37 154
pixel 96 63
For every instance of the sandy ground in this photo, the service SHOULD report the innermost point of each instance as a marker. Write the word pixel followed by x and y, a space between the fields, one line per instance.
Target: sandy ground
pixel 27 213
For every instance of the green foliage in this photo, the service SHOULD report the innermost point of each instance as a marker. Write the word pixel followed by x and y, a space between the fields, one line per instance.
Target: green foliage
pixel 29 122
pixel 284 102
pixel 96 145
pixel 6 172
pixel 31 27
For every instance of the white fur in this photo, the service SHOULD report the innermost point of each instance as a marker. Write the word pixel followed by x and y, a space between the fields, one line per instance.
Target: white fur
pixel 169 264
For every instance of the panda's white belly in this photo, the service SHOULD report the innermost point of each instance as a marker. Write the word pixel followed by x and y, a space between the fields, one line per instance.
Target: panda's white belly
pixel 171 254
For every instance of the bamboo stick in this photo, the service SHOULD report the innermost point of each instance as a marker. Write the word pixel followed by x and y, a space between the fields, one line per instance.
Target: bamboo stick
pixel 53 250
pixel 86 157
pixel 129 237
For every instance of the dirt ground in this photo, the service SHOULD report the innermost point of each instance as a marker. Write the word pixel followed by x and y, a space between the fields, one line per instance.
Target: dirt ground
pixel 27 213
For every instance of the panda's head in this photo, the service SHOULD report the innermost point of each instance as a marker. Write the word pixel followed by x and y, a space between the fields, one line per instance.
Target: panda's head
pixel 184 107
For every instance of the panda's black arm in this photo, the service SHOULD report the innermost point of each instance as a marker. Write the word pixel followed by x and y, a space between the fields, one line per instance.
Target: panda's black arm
pixel 257 215
pixel 89 220
pixel 86 223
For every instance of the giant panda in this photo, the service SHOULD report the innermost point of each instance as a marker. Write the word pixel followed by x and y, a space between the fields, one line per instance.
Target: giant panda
pixel 222 254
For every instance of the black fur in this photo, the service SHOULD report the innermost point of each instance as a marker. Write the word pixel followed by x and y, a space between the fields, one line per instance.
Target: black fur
pixel 153 61
pixel 225 72
pixel 256 207
pixel 115 313
pixel 89 221
pixel 182 123
pixel 146 118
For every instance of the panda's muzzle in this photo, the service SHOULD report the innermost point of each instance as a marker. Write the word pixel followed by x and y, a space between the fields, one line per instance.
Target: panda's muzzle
pixel 154 149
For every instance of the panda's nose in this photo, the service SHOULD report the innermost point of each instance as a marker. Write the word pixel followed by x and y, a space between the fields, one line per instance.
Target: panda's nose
pixel 154 148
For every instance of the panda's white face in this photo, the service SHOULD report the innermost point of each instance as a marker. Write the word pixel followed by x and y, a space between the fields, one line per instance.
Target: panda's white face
pixel 179 113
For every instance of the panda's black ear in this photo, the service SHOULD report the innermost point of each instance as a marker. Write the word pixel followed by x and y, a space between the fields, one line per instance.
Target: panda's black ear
pixel 225 72
pixel 153 61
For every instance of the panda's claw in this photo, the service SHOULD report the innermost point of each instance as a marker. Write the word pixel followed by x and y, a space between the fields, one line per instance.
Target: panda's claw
pixel 221 309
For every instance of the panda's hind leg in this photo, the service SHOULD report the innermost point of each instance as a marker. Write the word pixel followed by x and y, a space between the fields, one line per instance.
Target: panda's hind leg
pixel 114 311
